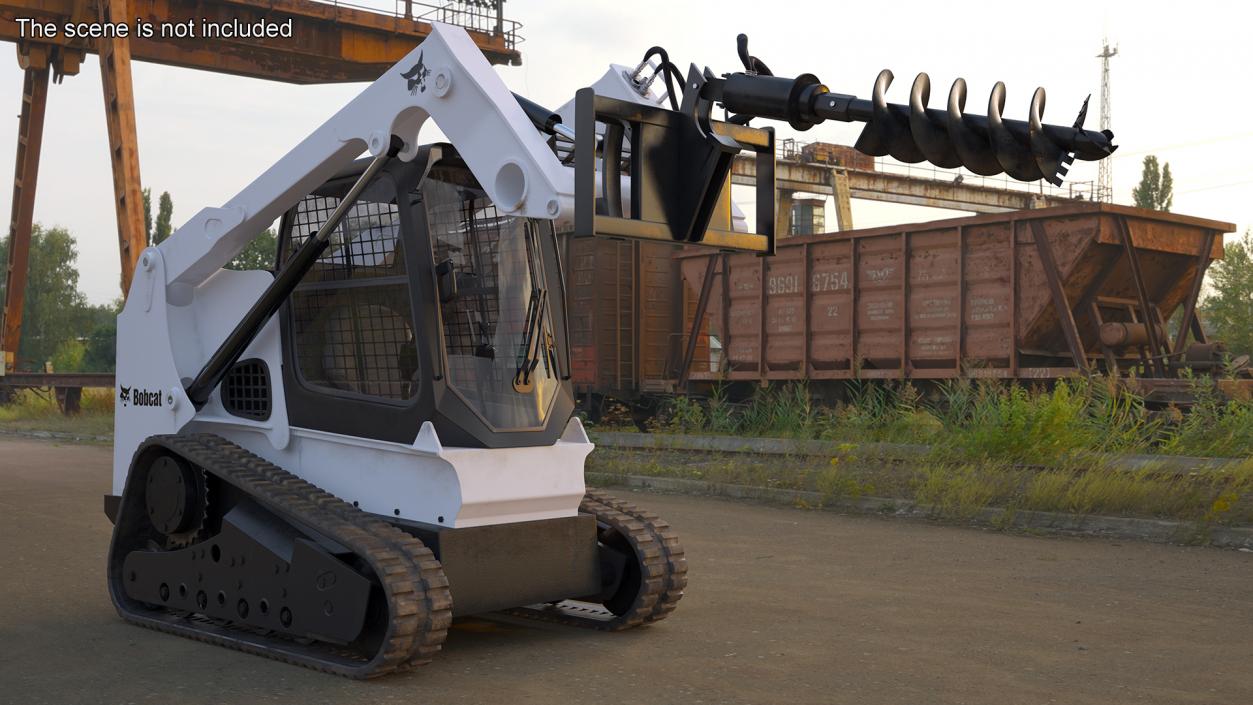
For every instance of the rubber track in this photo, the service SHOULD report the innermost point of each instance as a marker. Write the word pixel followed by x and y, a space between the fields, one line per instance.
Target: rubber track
pixel 676 558
pixel 413 582
pixel 662 564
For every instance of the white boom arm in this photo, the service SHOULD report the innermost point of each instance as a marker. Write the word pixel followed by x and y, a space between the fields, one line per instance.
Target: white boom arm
pixel 445 78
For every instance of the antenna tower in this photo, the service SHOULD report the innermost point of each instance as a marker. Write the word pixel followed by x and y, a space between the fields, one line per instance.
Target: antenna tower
pixel 1105 174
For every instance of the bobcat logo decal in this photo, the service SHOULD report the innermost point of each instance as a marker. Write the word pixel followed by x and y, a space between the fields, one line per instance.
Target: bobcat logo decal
pixel 130 396
pixel 416 77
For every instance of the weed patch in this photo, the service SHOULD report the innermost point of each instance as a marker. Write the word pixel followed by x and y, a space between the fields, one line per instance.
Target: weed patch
pixel 37 410
pixel 962 490
pixel 964 420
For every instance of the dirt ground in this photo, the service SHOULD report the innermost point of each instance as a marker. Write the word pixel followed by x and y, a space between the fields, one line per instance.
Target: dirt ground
pixel 784 606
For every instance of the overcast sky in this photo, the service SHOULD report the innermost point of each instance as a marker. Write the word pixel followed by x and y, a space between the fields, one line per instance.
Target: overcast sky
pixel 1180 91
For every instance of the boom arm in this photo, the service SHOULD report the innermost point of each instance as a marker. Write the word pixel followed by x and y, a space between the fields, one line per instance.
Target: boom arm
pixel 445 78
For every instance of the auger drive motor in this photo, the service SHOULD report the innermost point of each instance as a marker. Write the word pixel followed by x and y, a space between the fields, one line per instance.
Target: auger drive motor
pixel 326 463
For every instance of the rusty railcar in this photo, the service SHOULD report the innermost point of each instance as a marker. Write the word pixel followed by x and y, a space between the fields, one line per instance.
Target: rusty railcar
pixel 624 310
pixel 983 296
pixel 1028 294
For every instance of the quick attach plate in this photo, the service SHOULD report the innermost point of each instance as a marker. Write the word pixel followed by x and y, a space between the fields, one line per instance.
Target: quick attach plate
pixel 680 176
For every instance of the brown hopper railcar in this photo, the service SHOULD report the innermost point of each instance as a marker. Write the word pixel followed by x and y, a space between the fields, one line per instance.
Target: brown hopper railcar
pixel 1027 295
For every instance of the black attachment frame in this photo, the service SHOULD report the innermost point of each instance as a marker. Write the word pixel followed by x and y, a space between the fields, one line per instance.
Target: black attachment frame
pixel 680 167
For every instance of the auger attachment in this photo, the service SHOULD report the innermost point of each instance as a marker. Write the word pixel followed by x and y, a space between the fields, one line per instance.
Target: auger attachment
pixel 985 144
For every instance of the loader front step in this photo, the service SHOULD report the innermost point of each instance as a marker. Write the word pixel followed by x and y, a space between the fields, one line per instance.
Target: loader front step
pixel 281 568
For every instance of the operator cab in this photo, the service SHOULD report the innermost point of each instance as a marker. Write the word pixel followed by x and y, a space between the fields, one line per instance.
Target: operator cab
pixel 429 305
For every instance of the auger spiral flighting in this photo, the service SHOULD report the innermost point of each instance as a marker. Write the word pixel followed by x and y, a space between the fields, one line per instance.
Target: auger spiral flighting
pixel 985 144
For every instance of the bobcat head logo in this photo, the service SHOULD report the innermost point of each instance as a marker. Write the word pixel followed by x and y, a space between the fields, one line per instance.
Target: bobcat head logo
pixel 416 76
pixel 125 396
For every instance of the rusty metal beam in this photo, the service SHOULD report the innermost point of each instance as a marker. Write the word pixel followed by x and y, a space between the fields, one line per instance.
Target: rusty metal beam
pixel 702 306
pixel 894 188
pixel 1065 316
pixel 26 173
pixel 1157 349
pixel 59 379
pixel 329 43
pixel 1198 331
pixel 119 114
pixel 1194 292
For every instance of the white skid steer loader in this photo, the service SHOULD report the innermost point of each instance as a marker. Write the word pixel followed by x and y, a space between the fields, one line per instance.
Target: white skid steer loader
pixel 331 485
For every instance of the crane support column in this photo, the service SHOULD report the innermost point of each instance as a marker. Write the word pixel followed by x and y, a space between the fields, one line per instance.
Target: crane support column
pixel 29 138
pixel 783 213
pixel 119 113
pixel 843 199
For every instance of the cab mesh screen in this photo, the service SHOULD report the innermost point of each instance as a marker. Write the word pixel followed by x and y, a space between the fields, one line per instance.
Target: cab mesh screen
pixel 351 318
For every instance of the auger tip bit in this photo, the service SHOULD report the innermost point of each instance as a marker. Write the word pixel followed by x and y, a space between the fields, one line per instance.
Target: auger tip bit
pixel 1083 113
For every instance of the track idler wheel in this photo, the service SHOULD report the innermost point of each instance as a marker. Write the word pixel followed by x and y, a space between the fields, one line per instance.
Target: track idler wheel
pixel 627 567
pixel 644 569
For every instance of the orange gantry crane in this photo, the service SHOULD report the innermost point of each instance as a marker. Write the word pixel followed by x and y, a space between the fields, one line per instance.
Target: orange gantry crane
pixel 331 42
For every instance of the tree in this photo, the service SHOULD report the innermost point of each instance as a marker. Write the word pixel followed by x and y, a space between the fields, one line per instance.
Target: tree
pixel 259 254
pixel 101 345
pixel 54 309
pixel 101 353
pixel 1156 189
pixel 159 229
pixel 69 356
pixel 1228 309
pixel 147 215
pixel 165 211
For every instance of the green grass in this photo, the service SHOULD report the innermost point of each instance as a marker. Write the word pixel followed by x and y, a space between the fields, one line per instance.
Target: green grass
pixel 960 490
pixel 1011 423
pixel 993 445
pixel 35 410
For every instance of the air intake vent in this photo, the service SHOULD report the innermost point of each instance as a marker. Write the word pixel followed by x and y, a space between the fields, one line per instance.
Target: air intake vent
pixel 246 390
